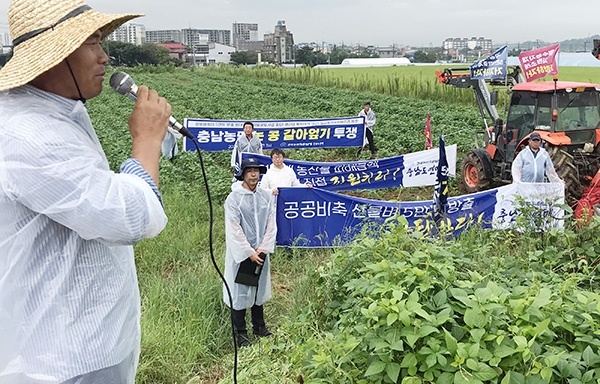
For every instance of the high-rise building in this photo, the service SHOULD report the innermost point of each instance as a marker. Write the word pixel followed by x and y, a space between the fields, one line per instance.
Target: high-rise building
pixel 190 36
pixel 458 43
pixel 280 44
pixel 5 39
pixel 164 36
pixel 242 32
pixel 129 33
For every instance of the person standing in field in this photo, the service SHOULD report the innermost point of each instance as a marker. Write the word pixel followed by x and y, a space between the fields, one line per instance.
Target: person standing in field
pixel 533 162
pixel 370 120
pixel 248 142
pixel 250 231
pixel 279 175
pixel 69 297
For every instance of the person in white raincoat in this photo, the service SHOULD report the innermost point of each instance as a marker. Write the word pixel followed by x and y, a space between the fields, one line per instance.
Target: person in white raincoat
pixel 533 162
pixel 69 298
pixel 250 230
pixel 247 142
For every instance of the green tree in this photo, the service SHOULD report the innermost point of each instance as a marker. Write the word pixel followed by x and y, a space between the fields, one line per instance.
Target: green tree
pixel 305 55
pixel 244 57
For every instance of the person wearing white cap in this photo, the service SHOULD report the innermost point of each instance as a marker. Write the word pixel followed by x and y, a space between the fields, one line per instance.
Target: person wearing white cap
pixel 250 231
pixel 533 162
pixel 69 299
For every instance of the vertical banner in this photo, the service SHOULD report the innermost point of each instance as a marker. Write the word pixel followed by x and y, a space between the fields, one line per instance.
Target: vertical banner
pixel 440 193
pixel 540 62
pixel 492 67
pixel 427 132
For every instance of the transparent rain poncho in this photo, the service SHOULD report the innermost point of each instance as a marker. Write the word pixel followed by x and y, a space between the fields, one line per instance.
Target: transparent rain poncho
pixel 531 169
pixel 249 225
pixel 69 300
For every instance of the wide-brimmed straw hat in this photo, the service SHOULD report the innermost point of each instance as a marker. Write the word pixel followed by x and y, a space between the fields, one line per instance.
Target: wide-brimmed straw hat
pixel 45 32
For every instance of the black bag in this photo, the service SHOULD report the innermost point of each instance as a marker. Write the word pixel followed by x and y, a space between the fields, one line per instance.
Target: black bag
pixel 249 271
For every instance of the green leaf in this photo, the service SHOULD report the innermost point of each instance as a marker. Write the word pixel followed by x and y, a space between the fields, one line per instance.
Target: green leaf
pixel 462 377
pixel 440 298
pixel 552 360
pixel 410 360
pixel 474 318
pixel 445 378
pixel 451 343
pixel 484 372
pixel 512 377
pixel 503 351
pixel 376 367
pixel 411 380
pixel 391 318
pixel 393 371
pixel 543 298
pixel 477 334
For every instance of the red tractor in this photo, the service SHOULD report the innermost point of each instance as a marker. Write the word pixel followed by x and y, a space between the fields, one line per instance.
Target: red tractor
pixel 565 114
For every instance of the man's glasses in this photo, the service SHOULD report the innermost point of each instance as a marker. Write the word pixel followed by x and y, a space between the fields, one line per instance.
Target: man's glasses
pixel 536 139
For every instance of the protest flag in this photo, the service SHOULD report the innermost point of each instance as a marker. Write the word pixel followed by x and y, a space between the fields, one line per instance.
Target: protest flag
pixel 539 62
pixel 440 193
pixel 492 67
pixel 427 132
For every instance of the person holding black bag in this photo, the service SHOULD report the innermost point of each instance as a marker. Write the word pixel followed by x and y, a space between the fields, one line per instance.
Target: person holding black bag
pixel 250 232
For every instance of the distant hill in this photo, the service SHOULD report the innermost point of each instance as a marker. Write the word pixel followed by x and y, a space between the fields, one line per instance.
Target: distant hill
pixel 585 44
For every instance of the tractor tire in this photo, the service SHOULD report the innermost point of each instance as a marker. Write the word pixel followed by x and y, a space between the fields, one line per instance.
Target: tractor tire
pixel 473 175
pixel 568 172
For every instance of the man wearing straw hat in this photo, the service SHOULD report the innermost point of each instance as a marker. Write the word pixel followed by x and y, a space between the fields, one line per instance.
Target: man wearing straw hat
pixel 69 301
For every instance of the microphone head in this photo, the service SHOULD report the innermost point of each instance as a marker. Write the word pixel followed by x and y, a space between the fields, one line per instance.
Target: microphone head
pixel 122 83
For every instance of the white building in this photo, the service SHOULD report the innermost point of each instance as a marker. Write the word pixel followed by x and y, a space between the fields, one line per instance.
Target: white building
pixel 5 39
pixel 129 33
pixel 216 54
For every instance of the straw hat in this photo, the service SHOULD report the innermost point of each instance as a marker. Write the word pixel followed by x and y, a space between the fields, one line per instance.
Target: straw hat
pixel 45 32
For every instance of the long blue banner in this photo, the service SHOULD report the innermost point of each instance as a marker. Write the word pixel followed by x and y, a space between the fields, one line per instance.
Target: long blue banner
pixel 318 218
pixel 220 135
pixel 410 170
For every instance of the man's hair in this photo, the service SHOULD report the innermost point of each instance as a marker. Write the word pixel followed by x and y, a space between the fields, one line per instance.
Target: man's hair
pixel 368 103
pixel 277 151
pixel 248 122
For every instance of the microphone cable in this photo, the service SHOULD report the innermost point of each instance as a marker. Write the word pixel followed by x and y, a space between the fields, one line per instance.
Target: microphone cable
pixel 212 257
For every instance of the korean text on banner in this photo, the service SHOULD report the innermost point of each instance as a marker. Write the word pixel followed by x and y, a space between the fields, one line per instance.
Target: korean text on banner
pixel 411 170
pixel 492 67
pixel 540 62
pixel 220 135
pixel 318 218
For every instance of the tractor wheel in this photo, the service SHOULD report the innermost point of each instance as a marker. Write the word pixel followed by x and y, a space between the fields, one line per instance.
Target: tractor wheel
pixel 568 172
pixel 473 175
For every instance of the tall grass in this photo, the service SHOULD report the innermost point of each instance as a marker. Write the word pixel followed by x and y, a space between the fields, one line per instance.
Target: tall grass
pixel 419 85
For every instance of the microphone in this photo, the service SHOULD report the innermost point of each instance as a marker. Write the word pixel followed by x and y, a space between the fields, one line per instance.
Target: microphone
pixel 123 83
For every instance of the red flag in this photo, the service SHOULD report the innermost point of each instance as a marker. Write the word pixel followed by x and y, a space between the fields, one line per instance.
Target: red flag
pixel 427 132
pixel 540 62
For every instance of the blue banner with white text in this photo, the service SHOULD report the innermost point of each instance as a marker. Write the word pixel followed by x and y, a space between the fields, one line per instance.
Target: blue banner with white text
pixel 220 135
pixel 411 170
pixel 492 67
pixel 317 218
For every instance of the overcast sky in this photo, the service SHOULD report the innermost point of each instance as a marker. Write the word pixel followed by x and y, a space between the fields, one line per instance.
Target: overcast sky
pixel 378 22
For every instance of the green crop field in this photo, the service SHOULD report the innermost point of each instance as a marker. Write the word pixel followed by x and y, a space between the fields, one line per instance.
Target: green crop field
pixel 487 307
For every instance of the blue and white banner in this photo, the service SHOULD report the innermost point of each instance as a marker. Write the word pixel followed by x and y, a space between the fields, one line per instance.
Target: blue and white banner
pixel 318 218
pixel 492 67
pixel 220 135
pixel 411 170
